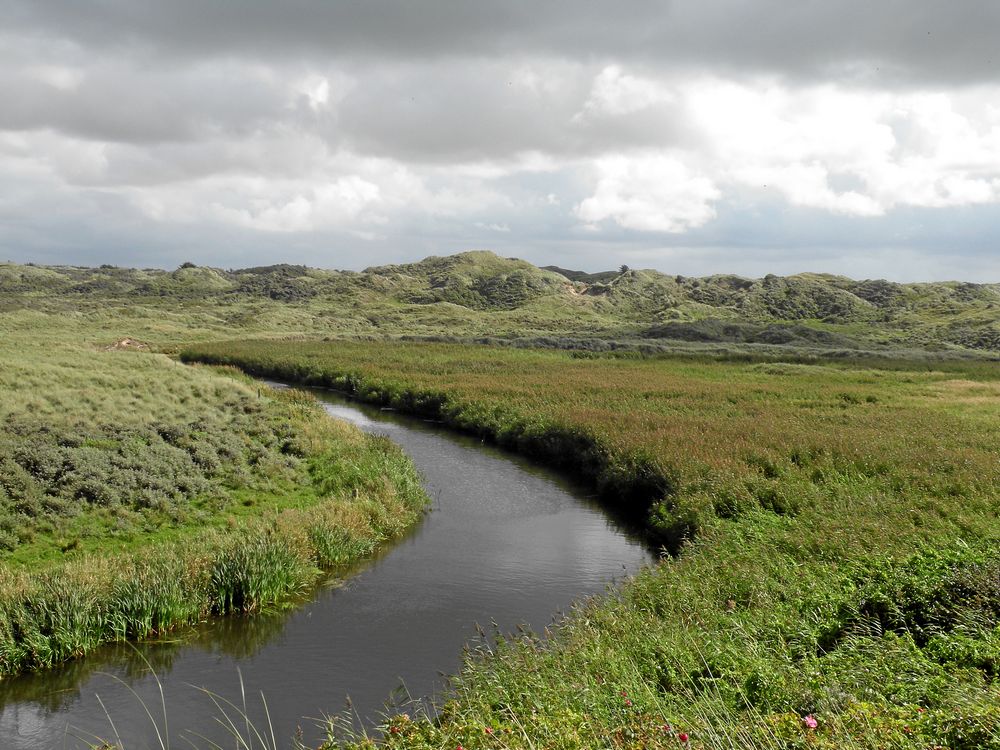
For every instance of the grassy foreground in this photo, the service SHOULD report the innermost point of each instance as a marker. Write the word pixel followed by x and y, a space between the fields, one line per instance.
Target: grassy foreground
pixel 137 494
pixel 837 582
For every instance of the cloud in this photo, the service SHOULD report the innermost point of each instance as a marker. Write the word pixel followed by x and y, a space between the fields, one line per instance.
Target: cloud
pixel 333 204
pixel 617 93
pixel 929 149
pixel 649 193
pixel 921 40
pixel 843 150
pixel 130 101
pixel 528 126
pixel 493 227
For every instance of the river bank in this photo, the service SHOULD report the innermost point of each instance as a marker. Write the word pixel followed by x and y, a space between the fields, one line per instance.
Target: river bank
pixel 507 545
pixel 837 584
pixel 138 495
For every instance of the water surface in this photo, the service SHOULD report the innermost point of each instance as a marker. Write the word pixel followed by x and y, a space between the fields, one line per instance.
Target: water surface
pixel 505 542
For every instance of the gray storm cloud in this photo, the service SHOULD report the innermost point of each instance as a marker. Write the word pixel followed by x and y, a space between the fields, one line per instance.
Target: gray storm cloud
pixel 927 39
pixel 752 135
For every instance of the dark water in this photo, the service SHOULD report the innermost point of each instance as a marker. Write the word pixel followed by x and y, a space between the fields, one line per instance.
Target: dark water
pixel 506 542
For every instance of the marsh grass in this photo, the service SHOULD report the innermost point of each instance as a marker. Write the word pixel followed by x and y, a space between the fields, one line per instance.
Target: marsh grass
pixel 138 495
pixel 835 526
pixel 97 445
pixel 680 443
pixel 812 501
pixel 70 608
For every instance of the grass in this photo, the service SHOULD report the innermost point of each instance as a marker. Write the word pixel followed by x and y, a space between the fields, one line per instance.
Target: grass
pixel 821 462
pixel 138 494
pixel 835 529
pixel 53 614
pixel 478 294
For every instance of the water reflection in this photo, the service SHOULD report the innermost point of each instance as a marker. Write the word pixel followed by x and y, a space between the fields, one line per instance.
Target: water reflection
pixel 507 542
pixel 52 690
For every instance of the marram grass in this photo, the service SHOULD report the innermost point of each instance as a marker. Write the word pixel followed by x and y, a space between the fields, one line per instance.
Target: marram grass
pixel 138 494
pixel 62 612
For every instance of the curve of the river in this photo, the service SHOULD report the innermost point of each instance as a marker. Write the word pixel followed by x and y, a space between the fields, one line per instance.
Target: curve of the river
pixel 506 542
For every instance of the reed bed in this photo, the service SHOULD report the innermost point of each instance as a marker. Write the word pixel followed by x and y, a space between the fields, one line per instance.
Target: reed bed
pixel 68 609
pixel 138 495
pixel 835 581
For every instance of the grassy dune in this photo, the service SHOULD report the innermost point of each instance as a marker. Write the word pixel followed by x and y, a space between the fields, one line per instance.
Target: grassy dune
pixel 138 494
pixel 836 529
pixel 481 295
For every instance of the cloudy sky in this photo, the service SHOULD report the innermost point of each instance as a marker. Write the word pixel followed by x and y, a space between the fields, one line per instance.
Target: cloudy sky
pixel 696 137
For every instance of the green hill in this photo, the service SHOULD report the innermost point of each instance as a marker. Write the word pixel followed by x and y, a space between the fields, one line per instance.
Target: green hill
pixel 479 294
pixel 478 280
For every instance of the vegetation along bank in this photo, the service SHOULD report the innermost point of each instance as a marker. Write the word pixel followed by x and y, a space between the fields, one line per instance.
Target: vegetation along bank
pixel 137 495
pixel 837 582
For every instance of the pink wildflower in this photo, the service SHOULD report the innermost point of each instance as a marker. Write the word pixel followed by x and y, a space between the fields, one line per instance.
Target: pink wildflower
pixel 810 721
pixel 683 737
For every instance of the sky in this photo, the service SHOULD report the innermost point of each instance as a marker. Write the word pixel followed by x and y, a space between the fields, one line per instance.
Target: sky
pixel 695 137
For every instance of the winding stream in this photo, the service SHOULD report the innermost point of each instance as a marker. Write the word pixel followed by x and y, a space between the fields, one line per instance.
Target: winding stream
pixel 506 542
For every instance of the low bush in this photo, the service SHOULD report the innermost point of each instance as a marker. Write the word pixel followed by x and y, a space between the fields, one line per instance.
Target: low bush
pixel 67 608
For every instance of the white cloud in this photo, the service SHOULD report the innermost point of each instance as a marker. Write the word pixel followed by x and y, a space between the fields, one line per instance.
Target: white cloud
pixel 512 149
pixel 617 93
pixel 61 77
pixel 846 151
pixel 905 149
pixel 649 192
pixel 318 93
pixel 322 92
pixel 325 206
pixel 493 226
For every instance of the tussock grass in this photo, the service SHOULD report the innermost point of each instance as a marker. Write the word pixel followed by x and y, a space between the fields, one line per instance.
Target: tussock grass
pixel 678 442
pixel 67 609
pixel 138 494
pixel 836 529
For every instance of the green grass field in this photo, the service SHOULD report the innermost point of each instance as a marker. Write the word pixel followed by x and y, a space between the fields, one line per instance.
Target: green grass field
pixel 835 529
pixel 478 295
pixel 816 454
pixel 138 494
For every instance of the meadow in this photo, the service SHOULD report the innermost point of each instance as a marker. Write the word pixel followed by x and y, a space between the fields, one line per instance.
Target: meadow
pixel 830 577
pixel 816 456
pixel 138 494
pixel 479 295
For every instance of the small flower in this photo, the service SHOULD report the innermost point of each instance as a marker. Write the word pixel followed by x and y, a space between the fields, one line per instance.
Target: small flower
pixel 628 701
pixel 810 721
pixel 683 737
pixel 488 730
pixel 394 730
pixel 665 728
pixel 624 694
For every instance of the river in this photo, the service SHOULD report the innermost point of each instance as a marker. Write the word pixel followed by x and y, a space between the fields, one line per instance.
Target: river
pixel 506 543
